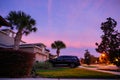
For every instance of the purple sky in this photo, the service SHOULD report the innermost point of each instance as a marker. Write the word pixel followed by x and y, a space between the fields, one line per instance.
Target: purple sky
pixel 75 22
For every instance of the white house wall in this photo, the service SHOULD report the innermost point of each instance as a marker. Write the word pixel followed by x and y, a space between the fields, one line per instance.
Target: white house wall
pixel 37 49
pixel 5 39
pixel 40 58
pixel 39 55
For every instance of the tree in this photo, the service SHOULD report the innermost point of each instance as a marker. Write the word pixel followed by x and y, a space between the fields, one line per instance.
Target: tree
pixel 93 59
pixel 58 45
pixel 87 57
pixel 110 43
pixel 23 23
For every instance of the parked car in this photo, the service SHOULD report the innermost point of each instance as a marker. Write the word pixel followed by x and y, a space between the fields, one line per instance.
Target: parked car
pixel 70 61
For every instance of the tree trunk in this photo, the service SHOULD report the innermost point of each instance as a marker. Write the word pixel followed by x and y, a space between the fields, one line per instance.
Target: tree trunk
pixel 17 40
pixel 58 52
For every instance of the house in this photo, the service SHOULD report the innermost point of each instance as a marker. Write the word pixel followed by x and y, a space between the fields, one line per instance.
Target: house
pixel 7 38
pixel 3 22
pixel 39 49
pixel 7 41
pixel 4 38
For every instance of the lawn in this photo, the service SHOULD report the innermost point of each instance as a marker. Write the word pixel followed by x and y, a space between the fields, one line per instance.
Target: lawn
pixel 73 73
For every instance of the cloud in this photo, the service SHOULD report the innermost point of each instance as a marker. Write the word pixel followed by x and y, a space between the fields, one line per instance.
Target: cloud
pixel 76 51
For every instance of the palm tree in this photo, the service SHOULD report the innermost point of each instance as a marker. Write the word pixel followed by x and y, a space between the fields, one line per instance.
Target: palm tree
pixel 58 45
pixel 23 23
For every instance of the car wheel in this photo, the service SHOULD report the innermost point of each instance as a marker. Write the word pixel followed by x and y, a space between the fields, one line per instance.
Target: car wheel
pixel 72 65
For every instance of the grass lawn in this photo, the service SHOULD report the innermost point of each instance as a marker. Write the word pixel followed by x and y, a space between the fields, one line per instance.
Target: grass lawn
pixel 73 73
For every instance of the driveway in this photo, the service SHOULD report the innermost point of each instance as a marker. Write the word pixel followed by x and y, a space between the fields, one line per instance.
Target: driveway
pixel 103 68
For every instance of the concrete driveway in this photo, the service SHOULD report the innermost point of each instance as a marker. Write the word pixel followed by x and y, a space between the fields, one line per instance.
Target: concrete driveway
pixel 102 68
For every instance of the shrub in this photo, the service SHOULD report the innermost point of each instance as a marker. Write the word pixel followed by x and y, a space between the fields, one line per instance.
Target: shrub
pixel 15 63
pixel 42 65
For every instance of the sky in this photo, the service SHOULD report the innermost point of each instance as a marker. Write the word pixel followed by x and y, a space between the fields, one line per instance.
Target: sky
pixel 75 22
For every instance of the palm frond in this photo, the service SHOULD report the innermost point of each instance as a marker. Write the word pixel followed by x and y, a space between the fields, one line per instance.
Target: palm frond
pixel 53 46
pixel 22 21
pixel 58 44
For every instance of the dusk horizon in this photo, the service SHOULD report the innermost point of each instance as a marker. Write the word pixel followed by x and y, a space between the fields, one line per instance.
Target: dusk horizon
pixel 75 22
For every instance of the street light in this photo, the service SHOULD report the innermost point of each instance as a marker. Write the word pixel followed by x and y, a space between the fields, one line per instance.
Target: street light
pixel 103 58
pixel 103 55
pixel 116 59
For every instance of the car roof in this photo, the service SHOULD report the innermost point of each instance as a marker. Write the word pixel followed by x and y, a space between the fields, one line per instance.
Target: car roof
pixel 67 56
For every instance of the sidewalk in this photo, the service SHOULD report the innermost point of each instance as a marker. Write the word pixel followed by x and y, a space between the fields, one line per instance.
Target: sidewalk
pixel 98 69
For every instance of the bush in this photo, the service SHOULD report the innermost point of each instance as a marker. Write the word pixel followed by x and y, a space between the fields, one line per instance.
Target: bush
pixel 43 65
pixel 15 63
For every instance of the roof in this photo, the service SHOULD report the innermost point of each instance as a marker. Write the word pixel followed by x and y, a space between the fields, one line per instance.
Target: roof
pixel 3 22
pixel 5 46
pixel 39 44
pixel 32 45
pixel 8 30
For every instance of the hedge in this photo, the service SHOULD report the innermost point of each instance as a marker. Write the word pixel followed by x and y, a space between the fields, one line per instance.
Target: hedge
pixel 15 63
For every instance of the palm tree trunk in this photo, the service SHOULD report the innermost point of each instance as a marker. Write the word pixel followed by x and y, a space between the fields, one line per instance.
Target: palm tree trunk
pixel 17 40
pixel 58 52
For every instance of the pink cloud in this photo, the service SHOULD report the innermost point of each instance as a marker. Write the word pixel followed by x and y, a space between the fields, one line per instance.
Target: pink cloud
pixel 86 40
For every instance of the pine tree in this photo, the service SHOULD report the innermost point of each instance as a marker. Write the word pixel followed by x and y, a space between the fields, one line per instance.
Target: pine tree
pixel 110 43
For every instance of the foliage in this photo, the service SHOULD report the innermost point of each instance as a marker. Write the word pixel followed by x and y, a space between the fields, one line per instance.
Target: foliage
pixel 42 65
pixel 110 43
pixel 58 45
pixel 15 63
pixel 23 23
pixel 73 73
pixel 87 57
pixel 94 59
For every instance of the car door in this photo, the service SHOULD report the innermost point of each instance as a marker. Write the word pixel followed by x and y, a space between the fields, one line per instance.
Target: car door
pixel 59 60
